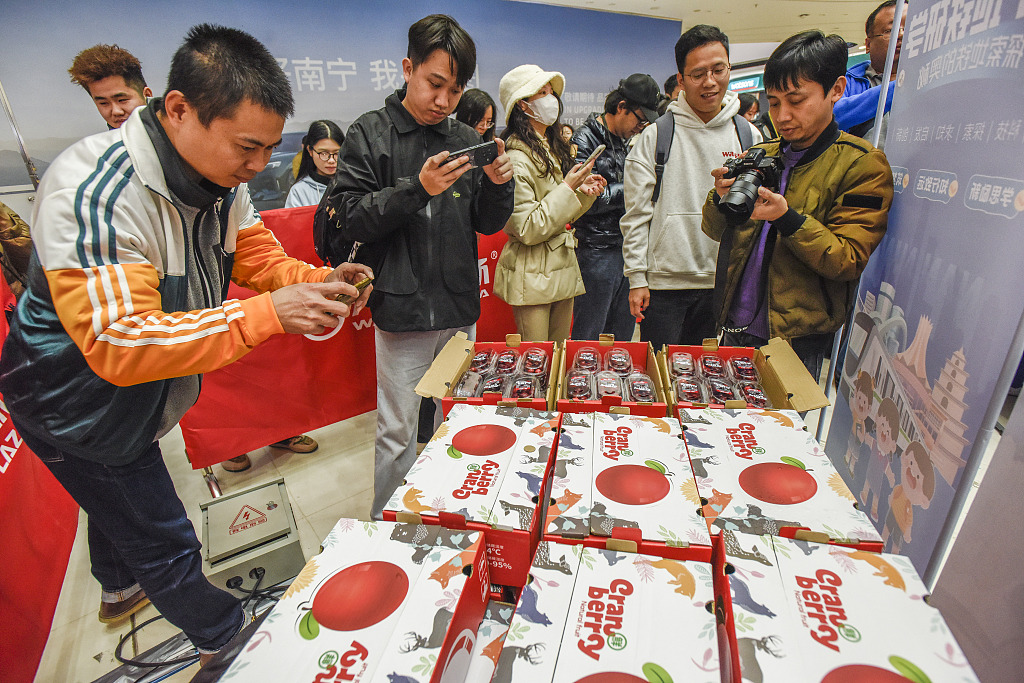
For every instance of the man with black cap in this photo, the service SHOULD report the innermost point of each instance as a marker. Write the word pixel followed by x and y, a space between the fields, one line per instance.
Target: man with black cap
pixel 605 306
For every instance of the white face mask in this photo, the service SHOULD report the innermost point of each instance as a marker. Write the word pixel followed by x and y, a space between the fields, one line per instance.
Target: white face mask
pixel 545 109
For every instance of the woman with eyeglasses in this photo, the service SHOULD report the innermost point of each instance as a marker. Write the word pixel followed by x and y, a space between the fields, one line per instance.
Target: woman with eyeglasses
pixel 537 272
pixel 319 163
pixel 476 109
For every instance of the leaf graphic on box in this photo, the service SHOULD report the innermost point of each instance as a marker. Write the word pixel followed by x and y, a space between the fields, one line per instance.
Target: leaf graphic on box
pixel 304 579
pixel 441 432
pixel 743 621
pixel 836 483
pixel 505 613
pixel 689 491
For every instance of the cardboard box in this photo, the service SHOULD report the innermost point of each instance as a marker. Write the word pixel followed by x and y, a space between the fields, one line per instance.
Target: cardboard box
pixel 806 612
pixel 455 358
pixel 624 482
pixel 490 640
pixel 761 472
pixel 486 469
pixel 381 602
pixel 644 360
pixel 783 375
pixel 589 614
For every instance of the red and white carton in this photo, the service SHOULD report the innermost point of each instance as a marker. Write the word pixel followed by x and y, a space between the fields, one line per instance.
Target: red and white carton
pixel 644 361
pixel 590 615
pixel 490 640
pixel 808 612
pixel 568 510
pixel 762 472
pixel 381 602
pixel 484 470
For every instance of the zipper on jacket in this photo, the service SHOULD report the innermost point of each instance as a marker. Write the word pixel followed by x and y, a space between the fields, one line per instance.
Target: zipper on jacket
pixel 204 275
pixel 430 241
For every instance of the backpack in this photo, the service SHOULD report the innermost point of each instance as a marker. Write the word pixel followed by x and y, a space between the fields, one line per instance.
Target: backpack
pixel 328 242
pixel 666 126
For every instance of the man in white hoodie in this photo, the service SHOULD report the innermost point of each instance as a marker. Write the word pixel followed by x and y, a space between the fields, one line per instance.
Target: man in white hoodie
pixel 670 263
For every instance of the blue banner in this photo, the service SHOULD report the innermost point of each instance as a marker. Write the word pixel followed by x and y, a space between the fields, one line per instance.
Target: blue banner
pixel 941 298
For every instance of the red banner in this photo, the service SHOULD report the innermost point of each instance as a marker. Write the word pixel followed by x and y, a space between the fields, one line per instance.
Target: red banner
pixel 39 522
pixel 495 315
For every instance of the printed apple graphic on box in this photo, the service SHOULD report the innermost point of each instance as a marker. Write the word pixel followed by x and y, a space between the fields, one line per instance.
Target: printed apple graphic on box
pixel 780 483
pixel 867 673
pixel 355 598
pixel 653 674
pixel 461 655
pixel 633 484
pixel 482 440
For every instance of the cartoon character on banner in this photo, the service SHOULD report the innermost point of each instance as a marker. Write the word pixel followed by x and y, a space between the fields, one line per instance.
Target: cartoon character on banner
pixel 916 487
pixel 860 407
pixel 880 478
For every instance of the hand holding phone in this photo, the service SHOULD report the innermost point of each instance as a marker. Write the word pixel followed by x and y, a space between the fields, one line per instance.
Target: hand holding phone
pixel 479 155
pixel 360 286
pixel 594 155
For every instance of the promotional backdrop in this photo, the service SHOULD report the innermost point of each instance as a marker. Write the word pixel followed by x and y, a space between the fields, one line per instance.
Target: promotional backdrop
pixel 941 299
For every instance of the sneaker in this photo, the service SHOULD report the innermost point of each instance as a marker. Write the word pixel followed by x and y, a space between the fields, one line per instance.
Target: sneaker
pixel 113 612
pixel 297 444
pixel 239 464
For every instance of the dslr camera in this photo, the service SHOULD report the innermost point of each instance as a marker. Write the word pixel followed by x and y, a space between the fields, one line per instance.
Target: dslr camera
pixel 751 171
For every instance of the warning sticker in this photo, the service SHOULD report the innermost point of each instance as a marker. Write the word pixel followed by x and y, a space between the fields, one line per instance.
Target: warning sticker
pixel 247 518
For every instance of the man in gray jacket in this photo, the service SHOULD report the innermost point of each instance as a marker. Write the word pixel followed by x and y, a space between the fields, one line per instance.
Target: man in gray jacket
pixel 670 263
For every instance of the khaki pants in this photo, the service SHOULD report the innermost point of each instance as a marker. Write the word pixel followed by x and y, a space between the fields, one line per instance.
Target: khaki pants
pixel 544 322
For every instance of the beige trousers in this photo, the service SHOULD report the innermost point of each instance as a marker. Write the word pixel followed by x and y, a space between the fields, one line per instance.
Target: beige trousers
pixel 544 322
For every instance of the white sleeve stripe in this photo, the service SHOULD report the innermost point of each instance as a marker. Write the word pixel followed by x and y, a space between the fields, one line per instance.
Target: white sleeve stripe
pixel 108 290
pixel 194 316
pixel 90 287
pixel 151 329
pixel 163 341
pixel 126 292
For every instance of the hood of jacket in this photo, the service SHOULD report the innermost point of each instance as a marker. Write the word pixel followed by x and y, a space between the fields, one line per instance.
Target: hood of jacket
pixel 686 116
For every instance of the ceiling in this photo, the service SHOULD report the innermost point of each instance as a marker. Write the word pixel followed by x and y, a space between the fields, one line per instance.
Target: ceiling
pixel 747 21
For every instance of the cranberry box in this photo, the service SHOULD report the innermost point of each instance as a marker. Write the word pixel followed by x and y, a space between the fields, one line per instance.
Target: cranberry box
pixel 624 482
pixel 485 469
pixel 490 640
pixel 801 611
pixel 592 615
pixel 761 472
pixel 610 376
pixel 381 602
pixel 513 367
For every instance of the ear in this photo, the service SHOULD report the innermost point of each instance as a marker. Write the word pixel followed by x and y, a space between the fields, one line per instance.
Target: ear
pixel 838 88
pixel 522 105
pixel 407 68
pixel 147 92
pixel 176 109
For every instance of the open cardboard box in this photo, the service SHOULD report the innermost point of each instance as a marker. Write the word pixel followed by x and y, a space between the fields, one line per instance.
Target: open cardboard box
pixel 644 360
pixel 382 601
pixel 490 640
pixel 455 358
pixel 803 612
pixel 783 375
pixel 624 482
pixel 601 615
pixel 486 469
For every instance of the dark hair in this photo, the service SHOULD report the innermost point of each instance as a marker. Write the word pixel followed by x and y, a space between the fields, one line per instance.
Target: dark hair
pixel 663 103
pixel 865 384
pixel 672 82
pixel 748 100
pixel 611 102
pixel 924 461
pixel 102 61
pixel 810 55
pixel 520 128
pixel 870 23
pixel 318 130
pixel 698 36
pixel 472 109
pixel 441 32
pixel 217 68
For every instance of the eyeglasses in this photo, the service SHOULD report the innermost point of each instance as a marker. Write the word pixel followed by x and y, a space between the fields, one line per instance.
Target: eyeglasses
pixel 326 156
pixel 486 124
pixel 886 33
pixel 642 119
pixel 717 71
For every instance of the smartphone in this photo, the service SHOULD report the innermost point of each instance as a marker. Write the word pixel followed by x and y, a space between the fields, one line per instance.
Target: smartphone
pixel 479 155
pixel 595 154
pixel 360 286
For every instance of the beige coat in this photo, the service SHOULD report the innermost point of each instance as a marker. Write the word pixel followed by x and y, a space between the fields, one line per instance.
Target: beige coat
pixel 538 264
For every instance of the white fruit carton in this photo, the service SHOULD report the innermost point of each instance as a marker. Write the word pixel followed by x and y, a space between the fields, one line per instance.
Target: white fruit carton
pixel 490 640
pixel 594 613
pixel 568 511
pixel 381 602
pixel 837 615
pixel 761 472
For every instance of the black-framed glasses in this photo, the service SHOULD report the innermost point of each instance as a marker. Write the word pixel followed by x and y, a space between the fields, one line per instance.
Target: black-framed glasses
pixel 326 156
pixel 639 117
pixel 718 71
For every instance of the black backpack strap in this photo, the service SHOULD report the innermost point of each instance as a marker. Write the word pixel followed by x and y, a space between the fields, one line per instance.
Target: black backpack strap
pixel 666 125
pixel 743 131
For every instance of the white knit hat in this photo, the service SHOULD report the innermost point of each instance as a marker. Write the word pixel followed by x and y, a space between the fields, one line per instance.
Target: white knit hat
pixel 526 81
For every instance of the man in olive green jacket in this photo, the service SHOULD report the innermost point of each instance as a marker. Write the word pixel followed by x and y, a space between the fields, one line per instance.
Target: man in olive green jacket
pixel 792 269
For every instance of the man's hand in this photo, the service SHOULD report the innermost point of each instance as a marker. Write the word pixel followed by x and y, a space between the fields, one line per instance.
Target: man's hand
pixel 593 185
pixel 353 273
pixel 769 206
pixel 639 300
pixel 499 170
pixel 722 185
pixel 309 307
pixel 436 176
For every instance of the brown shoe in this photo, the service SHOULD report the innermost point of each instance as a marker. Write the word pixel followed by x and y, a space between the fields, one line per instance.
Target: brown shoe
pixel 113 612
pixel 297 444
pixel 239 464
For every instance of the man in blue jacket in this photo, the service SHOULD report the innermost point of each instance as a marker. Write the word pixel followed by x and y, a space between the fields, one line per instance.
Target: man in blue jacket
pixel 855 112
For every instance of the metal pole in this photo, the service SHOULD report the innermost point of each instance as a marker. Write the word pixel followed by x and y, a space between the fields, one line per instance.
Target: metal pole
pixel 29 166
pixel 828 382
pixel 988 423
pixel 890 56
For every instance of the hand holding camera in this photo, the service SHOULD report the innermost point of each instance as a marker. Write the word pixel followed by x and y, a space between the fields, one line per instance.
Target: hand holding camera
pixel 747 188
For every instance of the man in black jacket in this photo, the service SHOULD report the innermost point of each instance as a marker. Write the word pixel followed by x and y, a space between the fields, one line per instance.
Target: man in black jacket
pixel 605 306
pixel 416 212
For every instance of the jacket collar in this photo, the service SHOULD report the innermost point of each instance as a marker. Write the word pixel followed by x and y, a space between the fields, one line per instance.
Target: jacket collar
pixel 601 131
pixel 403 120
pixel 827 138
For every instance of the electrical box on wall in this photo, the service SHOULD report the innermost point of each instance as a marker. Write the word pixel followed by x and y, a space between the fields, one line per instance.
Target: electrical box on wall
pixel 247 530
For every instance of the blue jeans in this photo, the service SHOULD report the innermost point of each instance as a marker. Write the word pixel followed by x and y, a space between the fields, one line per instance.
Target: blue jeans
pixel 139 533
pixel 678 316
pixel 605 307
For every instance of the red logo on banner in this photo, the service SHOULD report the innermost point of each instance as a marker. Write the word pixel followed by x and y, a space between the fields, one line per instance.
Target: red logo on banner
pixel 247 518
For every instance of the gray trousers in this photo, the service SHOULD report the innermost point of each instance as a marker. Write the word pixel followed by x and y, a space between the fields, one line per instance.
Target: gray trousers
pixel 402 360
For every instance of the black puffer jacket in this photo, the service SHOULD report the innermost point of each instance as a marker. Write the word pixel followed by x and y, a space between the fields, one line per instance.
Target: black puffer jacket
pixel 599 227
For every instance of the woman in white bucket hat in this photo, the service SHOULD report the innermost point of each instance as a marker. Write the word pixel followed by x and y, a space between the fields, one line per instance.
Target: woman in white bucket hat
pixel 537 272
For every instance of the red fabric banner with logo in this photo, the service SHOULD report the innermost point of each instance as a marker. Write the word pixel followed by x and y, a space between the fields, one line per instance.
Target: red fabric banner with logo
pixel 291 384
pixel 39 522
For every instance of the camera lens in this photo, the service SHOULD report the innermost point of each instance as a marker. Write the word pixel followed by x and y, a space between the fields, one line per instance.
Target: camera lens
pixel 738 202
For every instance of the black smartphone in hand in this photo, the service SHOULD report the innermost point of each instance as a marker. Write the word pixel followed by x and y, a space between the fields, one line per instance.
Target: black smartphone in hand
pixel 479 155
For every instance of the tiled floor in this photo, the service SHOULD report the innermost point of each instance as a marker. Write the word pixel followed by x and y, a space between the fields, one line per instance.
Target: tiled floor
pixel 335 481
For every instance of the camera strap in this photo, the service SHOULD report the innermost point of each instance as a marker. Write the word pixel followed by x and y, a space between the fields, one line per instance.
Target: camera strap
pixel 666 127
